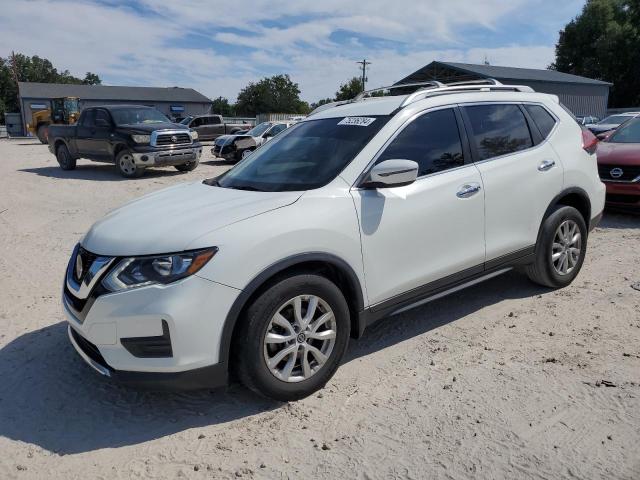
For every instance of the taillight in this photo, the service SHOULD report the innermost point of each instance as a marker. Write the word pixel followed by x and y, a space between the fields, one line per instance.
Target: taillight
pixel 589 141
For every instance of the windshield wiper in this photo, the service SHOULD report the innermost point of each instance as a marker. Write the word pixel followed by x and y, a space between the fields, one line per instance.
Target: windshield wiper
pixel 248 188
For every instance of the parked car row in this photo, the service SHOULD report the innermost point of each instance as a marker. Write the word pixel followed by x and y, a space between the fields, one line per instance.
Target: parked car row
pixel 210 127
pixel 619 165
pixel 137 137
pixel 238 146
pixel 611 122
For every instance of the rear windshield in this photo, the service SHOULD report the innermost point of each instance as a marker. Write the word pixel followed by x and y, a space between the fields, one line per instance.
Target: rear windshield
pixel 306 156
pixel 629 133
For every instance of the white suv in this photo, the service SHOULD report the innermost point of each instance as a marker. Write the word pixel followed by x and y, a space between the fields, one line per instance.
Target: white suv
pixel 358 212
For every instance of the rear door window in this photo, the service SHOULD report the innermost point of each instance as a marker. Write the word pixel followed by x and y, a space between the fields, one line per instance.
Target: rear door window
pixel 498 129
pixel 543 119
pixel 432 140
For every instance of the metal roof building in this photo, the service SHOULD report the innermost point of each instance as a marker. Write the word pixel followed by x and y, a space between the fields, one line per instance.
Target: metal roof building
pixel 175 102
pixel 583 96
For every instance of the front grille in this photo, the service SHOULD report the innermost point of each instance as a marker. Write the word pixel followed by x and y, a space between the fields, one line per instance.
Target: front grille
pixel 618 198
pixel 89 349
pixel 629 172
pixel 168 139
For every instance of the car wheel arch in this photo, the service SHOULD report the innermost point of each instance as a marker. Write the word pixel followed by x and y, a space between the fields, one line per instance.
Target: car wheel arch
pixel 117 148
pixel 328 265
pixel 574 197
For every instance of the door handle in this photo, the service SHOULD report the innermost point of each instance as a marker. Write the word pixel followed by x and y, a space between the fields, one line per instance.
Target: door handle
pixel 468 190
pixel 546 165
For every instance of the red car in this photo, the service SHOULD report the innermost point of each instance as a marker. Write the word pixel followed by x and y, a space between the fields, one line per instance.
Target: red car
pixel 619 165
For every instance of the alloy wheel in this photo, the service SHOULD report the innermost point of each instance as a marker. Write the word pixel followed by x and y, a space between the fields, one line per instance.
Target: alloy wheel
pixel 566 247
pixel 299 338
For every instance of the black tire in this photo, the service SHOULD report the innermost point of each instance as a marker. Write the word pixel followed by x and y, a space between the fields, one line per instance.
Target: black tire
pixel 125 165
pixel 542 271
pixel 187 167
pixel 43 134
pixel 65 160
pixel 249 350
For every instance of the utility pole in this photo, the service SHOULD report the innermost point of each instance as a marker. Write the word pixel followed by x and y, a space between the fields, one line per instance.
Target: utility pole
pixel 363 67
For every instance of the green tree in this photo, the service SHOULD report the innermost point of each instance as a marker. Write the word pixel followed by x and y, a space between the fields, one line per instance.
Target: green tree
pixel 603 42
pixel 350 89
pixel 22 68
pixel 221 106
pixel 277 94
pixel 91 79
pixel 322 101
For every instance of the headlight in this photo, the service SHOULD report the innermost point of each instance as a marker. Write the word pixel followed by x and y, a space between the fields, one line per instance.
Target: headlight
pixel 194 135
pixel 141 138
pixel 137 272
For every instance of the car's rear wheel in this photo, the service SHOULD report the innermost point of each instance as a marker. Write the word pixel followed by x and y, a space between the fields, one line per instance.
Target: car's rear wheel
pixel 561 248
pixel 126 165
pixel 292 338
pixel 188 167
pixel 65 160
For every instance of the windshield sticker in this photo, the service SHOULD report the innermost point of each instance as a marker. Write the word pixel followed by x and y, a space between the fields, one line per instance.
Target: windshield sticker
pixel 357 121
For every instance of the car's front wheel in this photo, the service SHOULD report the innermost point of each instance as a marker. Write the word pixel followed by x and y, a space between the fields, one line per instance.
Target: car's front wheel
pixel 561 248
pixel 126 165
pixel 292 338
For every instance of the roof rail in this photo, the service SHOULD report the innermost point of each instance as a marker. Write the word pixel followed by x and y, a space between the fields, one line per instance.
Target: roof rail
pixel 432 89
pixel 463 87
pixel 419 86
pixel 483 81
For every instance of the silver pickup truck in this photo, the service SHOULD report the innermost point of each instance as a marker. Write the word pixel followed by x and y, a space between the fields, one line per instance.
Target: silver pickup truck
pixel 210 127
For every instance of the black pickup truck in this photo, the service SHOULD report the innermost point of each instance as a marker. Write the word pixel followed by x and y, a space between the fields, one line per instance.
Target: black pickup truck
pixel 131 136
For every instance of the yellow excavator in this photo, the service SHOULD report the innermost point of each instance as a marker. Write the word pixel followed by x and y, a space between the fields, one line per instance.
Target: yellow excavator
pixel 63 111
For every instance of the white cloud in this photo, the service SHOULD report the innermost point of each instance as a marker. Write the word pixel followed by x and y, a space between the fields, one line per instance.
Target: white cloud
pixel 316 42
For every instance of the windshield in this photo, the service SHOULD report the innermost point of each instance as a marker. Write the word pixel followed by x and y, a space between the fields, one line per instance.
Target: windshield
pixel 259 129
pixel 615 120
pixel 71 105
pixel 306 156
pixel 186 120
pixel 133 116
pixel 629 133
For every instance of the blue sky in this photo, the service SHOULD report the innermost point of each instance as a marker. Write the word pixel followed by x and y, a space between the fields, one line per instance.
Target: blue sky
pixel 218 47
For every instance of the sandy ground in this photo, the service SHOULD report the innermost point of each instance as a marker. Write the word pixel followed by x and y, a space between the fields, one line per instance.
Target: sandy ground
pixel 503 380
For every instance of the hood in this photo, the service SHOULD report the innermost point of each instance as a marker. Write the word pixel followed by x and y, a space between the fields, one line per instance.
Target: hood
pixel 224 139
pixel 619 153
pixel 169 220
pixel 152 127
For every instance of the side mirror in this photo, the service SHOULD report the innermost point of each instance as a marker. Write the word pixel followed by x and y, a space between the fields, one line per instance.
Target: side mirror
pixel 102 123
pixel 603 137
pixel 391 173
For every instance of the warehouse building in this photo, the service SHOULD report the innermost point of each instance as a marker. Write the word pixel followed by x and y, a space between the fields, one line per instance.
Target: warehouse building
pixel 174 102
pixel 583 96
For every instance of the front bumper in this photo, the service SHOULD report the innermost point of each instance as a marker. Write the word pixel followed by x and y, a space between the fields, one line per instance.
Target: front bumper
pixel 228 152
pixel 124 335
pixel 206 377
pixel 168 157
pixel 623 194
